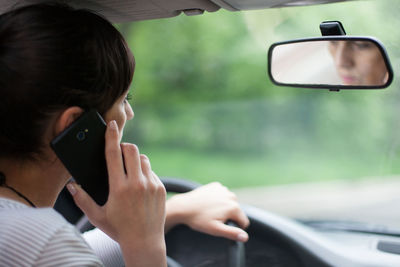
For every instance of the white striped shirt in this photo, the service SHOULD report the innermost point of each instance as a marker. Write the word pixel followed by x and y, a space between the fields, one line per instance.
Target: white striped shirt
pixel 40 237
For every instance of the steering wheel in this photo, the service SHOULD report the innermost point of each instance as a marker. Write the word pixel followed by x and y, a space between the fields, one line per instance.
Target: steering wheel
pixel 234 255
pixel 193 254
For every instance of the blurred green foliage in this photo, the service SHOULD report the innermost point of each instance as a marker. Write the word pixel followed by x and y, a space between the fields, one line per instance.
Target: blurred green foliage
pixel 205 108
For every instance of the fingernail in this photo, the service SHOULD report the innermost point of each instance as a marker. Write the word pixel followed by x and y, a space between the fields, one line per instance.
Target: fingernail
pixel 113 125
pixel 242 237
pixel 71 188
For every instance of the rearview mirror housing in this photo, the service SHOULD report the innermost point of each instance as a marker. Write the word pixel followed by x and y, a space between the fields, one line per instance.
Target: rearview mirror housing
pixel 330 62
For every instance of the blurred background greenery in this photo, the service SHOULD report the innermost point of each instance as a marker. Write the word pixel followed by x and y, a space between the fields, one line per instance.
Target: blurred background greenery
pixel 205 109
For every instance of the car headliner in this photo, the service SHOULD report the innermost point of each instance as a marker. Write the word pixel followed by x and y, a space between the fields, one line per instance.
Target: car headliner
pixel 133 10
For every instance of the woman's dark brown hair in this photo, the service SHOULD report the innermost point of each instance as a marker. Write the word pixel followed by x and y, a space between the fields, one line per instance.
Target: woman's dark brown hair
pixel 53 57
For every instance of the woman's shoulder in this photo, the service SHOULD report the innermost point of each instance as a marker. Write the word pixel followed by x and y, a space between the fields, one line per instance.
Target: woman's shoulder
pixel 17 216
pixel 38 235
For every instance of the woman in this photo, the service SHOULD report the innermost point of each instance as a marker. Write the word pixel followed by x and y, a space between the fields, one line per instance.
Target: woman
pixel 55 63
pixel 359 63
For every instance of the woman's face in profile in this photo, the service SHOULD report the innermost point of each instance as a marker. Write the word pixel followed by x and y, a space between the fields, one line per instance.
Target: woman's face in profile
pixel 121 111
pixel 358 62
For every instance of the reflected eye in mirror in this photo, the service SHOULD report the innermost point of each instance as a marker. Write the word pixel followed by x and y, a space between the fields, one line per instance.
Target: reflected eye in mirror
pixel 330 63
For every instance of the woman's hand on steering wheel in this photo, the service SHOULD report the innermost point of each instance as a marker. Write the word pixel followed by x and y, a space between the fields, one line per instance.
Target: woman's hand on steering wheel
pixel 207 209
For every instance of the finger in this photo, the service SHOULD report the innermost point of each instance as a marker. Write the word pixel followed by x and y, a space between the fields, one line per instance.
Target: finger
pixel 157 179
pixel 219 228
pixel 239 217
pixel 131 159
pixel 114 161
pixel 84 202
pixel 160 187
pixel 146 166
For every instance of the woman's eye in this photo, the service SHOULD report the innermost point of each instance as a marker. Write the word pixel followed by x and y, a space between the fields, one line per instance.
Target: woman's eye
pixel 128 97
pixel 363 45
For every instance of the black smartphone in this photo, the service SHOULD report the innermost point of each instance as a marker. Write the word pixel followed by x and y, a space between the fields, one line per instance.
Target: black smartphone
pixel 81 148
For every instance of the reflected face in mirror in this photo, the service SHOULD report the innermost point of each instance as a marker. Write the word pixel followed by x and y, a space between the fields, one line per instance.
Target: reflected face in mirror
pixel 359 62
pixel 334 63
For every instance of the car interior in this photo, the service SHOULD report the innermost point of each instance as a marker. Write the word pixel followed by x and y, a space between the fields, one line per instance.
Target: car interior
pixel 275 239
pixel 125 10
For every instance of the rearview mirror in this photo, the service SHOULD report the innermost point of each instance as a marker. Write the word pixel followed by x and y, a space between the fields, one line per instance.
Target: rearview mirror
pixel 331 62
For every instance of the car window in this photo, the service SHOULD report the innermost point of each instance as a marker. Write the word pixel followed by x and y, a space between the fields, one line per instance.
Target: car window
pixel 205 110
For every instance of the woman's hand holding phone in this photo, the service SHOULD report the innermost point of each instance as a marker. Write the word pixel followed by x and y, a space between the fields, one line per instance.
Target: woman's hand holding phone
pixel 134 214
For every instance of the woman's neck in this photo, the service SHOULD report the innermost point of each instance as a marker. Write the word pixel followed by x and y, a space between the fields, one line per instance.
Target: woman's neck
pixel 39 181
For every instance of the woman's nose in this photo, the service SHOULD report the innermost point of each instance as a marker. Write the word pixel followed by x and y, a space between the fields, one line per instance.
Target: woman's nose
pixel 344 56
pixel 129 112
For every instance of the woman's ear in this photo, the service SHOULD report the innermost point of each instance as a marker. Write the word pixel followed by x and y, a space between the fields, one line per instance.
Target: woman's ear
pixel 66 118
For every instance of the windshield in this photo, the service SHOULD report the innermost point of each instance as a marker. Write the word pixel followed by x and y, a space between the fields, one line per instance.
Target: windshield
pixel 205 110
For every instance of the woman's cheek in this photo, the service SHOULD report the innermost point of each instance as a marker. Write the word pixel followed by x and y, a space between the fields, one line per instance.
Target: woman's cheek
pixel 121 129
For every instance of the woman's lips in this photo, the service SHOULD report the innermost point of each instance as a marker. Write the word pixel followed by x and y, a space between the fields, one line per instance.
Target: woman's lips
pixel 350 80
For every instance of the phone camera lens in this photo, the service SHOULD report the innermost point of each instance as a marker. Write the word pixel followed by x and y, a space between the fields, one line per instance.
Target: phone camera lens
pixel 81 136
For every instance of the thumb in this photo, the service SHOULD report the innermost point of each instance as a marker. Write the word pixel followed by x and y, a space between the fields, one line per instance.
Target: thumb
pixel 84 202
pixel 231 232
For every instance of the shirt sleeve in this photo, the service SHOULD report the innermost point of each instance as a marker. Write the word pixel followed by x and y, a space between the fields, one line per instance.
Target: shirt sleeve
pixel 104 247
pixel 67 248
